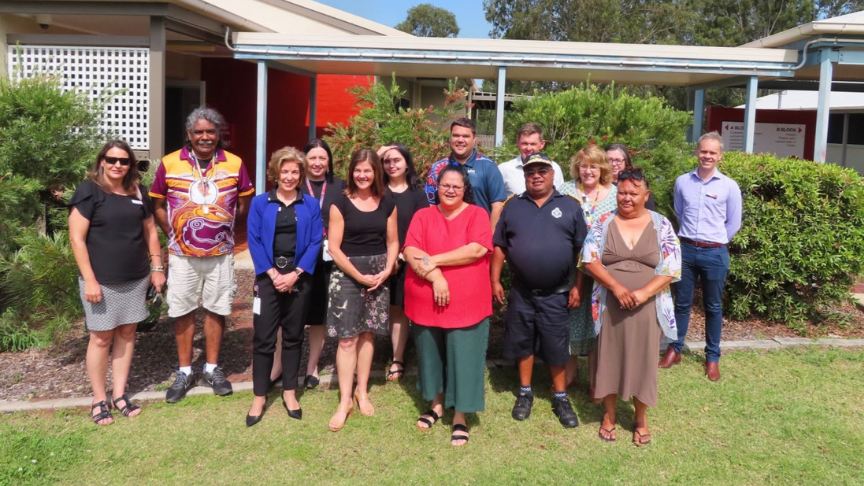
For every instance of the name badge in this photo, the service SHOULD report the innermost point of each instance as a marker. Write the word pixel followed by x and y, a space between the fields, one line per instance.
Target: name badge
pixel 135 201
pixel 712 195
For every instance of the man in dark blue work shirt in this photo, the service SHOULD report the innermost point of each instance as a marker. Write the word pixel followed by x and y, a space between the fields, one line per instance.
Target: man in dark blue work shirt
pixel 486 180
pixel 540 233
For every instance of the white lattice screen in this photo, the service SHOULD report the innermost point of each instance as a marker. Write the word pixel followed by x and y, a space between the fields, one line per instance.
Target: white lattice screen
pixel 95 70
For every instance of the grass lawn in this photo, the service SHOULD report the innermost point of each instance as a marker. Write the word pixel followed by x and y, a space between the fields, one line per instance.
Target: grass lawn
pixel 779 417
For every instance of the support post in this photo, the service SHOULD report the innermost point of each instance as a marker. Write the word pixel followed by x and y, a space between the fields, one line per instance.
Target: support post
pixel 698 113
pixel 261 129
pixel 313 107
pixel 156 115
pixel 750 114
pixel 823 108
pixel 845 139
pixel 499 106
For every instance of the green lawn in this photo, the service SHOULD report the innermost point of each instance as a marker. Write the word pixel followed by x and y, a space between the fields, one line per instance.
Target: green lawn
pixel 792 416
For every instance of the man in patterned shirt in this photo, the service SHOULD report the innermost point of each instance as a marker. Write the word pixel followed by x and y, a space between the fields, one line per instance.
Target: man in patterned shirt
pixel 198 192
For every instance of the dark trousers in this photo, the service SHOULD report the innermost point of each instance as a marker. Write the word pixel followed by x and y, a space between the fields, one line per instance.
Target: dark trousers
pixel 710 265
pixel 286 310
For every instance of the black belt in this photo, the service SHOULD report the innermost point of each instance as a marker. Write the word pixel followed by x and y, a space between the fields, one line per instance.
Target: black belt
pixel 702 244
pixel 545 292
pixel 283 263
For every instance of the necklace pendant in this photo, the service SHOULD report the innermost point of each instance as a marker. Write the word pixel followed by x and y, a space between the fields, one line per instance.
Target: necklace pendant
pixel 206 209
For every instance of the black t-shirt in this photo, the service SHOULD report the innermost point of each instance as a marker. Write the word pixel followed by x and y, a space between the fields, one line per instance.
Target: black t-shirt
pixel 332 193
pixel 541 243
pixel 285 236
pixel 365 232
pixel 408 202
pixel 115 240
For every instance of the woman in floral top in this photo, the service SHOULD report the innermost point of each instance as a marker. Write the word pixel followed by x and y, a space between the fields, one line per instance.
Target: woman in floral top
pixel 633 256
pixel 592 186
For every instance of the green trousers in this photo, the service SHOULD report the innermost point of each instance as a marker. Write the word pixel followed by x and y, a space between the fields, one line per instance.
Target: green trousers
pixel 453 362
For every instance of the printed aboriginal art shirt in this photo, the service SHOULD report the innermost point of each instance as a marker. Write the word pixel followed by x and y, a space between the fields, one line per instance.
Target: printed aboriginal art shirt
pixel 670 266
pixel 201 207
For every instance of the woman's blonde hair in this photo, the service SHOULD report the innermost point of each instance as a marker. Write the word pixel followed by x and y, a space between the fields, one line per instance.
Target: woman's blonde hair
pixel 283 155
pixel 592 155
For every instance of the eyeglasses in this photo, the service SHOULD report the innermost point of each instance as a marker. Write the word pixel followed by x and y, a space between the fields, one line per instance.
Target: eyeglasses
pixel 542 172
pixel 448 187
pixel 124 161
pixel 616 161
pixel 626 174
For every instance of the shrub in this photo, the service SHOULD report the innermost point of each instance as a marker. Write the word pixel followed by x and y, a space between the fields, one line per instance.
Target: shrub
pixel 572 119
pixel 380 121
pixel 800 245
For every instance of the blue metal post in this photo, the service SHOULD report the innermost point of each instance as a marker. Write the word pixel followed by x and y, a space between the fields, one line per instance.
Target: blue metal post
pixel 499 107
pixel 261 129
pixel 698 113
pixel 750 114
pixel 823 108
pixel 313 106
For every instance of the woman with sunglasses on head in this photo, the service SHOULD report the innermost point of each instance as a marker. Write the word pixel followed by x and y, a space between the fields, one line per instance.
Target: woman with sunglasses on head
pixel 619 158
pixel 447 288
pixel 326 189
pixel 410 196
pixel 285 232
pixel 592 187
pixel 633 257
pixel 364 244
pixel 116 247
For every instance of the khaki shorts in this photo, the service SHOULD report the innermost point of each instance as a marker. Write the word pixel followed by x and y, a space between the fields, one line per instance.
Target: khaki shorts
pixel 209 280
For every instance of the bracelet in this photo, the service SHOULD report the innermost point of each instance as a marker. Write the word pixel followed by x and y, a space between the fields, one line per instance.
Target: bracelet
pixel 157 268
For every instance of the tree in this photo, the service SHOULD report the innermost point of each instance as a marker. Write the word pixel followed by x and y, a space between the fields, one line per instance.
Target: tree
pixel 427 20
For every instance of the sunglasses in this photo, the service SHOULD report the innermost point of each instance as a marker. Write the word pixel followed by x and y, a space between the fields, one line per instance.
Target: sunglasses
pixel 124 161
pixel 636 176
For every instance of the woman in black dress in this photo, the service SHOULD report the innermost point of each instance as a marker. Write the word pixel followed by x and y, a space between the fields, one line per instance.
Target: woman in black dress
pixel 407 189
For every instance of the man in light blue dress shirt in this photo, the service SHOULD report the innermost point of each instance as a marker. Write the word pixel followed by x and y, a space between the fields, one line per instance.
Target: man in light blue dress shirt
pixel 708 208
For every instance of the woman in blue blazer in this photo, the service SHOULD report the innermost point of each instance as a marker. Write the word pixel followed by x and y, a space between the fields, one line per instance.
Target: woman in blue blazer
pixel 284 233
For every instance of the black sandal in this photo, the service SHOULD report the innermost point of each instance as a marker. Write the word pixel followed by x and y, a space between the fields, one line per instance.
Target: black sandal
pixel 395 375
pixel 104 413
pixel 460 428
pixel 126 409
pixel 426 421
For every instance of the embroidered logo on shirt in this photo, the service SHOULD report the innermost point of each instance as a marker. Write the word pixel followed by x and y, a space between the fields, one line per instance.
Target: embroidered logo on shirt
pixel 557 213
pixel 471 171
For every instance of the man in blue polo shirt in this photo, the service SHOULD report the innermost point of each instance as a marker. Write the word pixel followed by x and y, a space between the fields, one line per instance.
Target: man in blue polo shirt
pixel 540 234
pixel 708 207
pixel 486 180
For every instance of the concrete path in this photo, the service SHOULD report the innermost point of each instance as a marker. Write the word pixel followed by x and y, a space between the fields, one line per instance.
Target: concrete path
pixel 328 381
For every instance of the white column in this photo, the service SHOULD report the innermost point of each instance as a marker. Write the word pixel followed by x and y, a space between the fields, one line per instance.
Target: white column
pixel 156 115
pixel 261 130
pixel 823 107
pixel 750 114
pixel 499 107
pixel 698 113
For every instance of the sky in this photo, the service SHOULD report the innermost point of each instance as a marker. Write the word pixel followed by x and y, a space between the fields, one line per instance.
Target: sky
pixel 469 13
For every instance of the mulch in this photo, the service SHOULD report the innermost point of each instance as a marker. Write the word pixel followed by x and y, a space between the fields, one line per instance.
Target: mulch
pixel 59 371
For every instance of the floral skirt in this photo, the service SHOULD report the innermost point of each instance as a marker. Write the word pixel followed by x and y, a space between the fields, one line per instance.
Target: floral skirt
pixel 582 337
pixel 352 309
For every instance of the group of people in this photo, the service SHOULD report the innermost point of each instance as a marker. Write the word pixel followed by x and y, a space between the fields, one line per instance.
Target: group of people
pixel 589 260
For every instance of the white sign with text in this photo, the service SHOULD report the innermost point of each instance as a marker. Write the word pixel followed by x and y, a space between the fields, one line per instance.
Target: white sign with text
pixel 780 139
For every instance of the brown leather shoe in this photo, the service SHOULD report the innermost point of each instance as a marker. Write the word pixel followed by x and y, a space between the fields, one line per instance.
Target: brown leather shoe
pixel 712 370
pixel 670 358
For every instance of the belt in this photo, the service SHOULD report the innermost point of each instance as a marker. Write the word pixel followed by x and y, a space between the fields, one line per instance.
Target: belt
pixel 545 292
pixel 702 244
pixel 282 262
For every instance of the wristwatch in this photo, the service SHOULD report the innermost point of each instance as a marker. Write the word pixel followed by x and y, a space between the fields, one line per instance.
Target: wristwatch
pixel 298 271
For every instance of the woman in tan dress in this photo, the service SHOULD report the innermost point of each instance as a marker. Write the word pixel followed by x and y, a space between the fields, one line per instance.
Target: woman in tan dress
pixel 633 257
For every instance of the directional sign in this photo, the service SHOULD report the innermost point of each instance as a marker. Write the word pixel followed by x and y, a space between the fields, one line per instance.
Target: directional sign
pixel 780 139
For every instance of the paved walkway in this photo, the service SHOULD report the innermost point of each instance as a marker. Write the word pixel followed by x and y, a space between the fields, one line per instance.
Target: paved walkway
pixel 330 380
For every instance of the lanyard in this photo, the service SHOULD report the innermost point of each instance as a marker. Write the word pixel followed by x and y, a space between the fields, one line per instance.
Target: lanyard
pixel 203 179
pixel 589 213
pixel 321 200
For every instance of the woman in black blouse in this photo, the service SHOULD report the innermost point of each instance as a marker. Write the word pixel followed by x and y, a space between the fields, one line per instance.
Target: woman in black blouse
pixel 364 244
pixel 111 220
pixel 407 189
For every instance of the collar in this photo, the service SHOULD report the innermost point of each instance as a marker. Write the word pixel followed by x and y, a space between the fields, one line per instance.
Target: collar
pixel 219 155
pixel 271 196
pixel 468 163
pixel 554 194
pixel 716 175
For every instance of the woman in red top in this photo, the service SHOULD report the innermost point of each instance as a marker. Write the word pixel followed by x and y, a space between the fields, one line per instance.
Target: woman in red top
pixel 447 292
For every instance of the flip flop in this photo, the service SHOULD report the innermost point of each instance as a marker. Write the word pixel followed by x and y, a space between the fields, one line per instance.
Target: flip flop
pixel 642 439
pixel 608 437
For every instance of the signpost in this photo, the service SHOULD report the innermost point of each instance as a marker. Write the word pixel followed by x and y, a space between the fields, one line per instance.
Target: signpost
pixel 780 139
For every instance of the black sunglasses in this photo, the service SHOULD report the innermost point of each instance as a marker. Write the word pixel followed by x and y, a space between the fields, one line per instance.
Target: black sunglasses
pixel 636 176
pixel 124 161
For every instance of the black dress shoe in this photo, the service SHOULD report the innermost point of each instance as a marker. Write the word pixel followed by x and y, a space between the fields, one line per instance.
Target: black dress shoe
pixel 311 381
pixel 295 414
pixel 253 419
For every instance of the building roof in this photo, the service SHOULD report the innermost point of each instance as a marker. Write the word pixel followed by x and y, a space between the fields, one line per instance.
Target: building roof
pixel 794 100
pixel 847 25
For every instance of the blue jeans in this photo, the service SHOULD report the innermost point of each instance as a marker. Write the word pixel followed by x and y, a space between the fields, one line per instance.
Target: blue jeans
pixel 711 266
